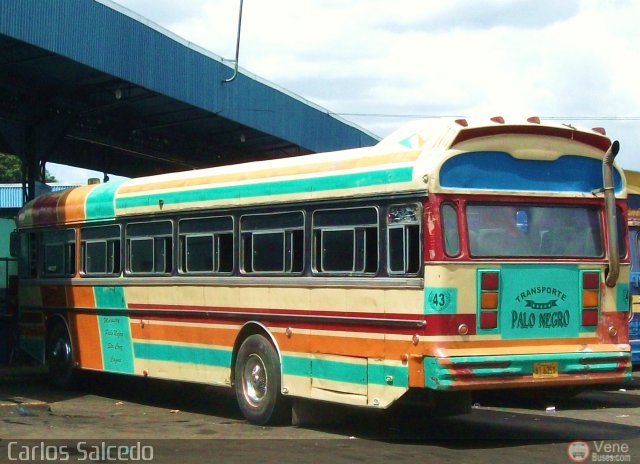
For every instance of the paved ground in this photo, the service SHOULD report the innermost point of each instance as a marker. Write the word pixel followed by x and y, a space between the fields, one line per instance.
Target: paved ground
pixel 195 423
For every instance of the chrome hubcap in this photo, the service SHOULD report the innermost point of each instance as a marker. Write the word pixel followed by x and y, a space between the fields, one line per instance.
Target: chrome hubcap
pixel 61 354
pixel 254 380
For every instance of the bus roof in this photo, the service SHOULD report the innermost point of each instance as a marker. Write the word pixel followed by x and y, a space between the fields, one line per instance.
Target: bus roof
pixel 422 156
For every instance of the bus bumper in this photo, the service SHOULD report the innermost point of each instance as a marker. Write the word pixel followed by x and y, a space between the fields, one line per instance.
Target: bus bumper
pixel 530 370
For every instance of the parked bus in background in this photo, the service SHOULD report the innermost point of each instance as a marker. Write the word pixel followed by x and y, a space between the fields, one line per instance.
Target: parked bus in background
pixel 453 256
pixel 633 197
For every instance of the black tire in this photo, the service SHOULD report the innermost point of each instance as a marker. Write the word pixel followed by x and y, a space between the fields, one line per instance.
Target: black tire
pixel 257 383
pixel 60 359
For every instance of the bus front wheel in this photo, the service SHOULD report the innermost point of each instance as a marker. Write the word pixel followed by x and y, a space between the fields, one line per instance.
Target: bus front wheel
pixel 60 357
pixel 257 382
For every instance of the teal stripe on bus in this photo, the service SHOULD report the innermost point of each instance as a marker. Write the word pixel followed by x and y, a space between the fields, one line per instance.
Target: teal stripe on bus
pixel 443 376
pixel 109 297
pixel 382 374
pixel 339 371
pixel 182 354
pixel 100 201
pixel 361 179
pixel 359 374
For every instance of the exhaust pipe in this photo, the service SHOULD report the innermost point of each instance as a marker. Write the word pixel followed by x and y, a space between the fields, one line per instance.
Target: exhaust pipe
pixel 610 213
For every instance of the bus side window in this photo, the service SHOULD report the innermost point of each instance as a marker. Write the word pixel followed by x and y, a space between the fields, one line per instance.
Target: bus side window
pixel 346 241
pixel 206 245
pixel 100 251
pixel 403 239
pixel 150 247
pixel 58 251
pixel 272 243
pixel 450 229
pixel 28 255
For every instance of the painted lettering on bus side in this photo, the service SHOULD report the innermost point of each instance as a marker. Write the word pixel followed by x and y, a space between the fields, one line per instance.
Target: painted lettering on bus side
pixel 524 296
pixel 550 320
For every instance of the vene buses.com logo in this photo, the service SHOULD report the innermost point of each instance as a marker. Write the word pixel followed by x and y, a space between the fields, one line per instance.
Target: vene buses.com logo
pixel 578 451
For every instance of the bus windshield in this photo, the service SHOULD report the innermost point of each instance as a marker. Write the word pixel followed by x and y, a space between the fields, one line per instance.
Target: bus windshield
pixel 536 231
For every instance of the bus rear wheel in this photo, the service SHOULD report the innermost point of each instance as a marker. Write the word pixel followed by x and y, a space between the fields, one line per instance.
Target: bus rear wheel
pixel 62 372
pixel 257 382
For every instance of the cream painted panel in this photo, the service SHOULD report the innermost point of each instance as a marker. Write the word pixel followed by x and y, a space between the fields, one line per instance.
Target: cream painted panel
pixel 289 298
pixel 183 371
pixel 138 295
pixel 329 299
pixel 404 301
pixel 365 300
pixel 462 278
pixel 224 297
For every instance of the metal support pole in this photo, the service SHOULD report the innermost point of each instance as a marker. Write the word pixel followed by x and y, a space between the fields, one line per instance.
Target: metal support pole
pixel 235 68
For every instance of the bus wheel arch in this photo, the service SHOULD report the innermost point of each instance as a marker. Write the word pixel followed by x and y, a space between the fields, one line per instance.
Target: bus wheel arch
pixel 59 353
pixel 256 373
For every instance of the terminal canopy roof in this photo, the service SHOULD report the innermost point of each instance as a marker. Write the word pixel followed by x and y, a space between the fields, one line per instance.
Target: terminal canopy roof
pixel 90 84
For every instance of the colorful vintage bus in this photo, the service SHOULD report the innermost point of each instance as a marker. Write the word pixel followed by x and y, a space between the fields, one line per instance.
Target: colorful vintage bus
pixel 633 198
pixel 452 256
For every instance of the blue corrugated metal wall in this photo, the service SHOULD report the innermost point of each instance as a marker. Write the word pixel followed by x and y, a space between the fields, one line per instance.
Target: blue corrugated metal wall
pixel 11 194
pixel 98 36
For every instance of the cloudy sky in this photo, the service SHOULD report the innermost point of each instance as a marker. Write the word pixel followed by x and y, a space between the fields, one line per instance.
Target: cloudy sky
pixel 380 63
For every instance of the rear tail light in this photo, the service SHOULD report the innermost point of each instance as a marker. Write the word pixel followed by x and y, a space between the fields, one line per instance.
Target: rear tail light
pixel 589 317
pixel 489 281
pixel 590 298
pixel 488 319
pixel 489 299
pixel 590 280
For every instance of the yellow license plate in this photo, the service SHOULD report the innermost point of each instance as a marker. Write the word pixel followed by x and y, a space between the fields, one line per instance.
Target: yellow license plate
pixel 545 370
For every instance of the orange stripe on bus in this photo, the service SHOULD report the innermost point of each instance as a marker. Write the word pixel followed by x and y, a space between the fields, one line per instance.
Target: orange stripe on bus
pixel 395 349
pixel 184 334
pixel 85 332
pixel 326 166
pixel 73 204
pixel 80 297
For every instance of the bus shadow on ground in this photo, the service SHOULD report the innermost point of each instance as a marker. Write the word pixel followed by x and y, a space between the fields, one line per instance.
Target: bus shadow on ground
pixel 404 424
pixel 480 428
pixel 541 400
pixel 174 395
pixel 30 383
pixel 512 425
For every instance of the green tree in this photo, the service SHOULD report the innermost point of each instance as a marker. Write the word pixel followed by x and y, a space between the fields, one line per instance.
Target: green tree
pixel 11 170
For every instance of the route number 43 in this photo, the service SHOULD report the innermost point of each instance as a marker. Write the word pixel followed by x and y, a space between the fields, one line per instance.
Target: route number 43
pixel 439 299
